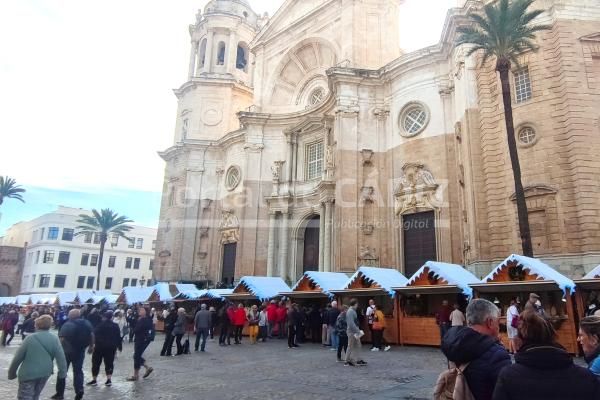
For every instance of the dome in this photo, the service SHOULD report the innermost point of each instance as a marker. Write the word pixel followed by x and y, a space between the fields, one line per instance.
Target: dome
pixel 239 8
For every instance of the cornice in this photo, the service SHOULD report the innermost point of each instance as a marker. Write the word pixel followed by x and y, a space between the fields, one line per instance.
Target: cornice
pixel 211 80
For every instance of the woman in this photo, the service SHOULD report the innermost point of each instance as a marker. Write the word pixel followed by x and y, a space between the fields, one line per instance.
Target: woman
pixel 143 332
pixel 378 328
pixel 29 325
pixel 107 340
pixel 239 320
pixel 543 369
pixel 589 338
pixel 263 324
pixel 341 326
pixel 179 330
pixel 253 320
pixel 131 320
pixel 120 321
pixel 512 323
pixel 293 322
pixel 225 325
pixel 34 360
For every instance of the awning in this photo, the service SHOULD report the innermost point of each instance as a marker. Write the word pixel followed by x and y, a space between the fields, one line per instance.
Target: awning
pixel 520 286
pixel 433 289
pixel 588 284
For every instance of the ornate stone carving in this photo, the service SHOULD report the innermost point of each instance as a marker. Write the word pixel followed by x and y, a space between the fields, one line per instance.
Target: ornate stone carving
pixel 416 189
pixel 329 158
pixel 276 170
pixel 347 107
pixel 229 227
pixel 203 231
pixel 366 194
pixel 219 171
pixel 458 131
pixel 381 112
pixel 163 257
pixel 367 155
pixel 254 147
pixel 368 256
pixel 367 229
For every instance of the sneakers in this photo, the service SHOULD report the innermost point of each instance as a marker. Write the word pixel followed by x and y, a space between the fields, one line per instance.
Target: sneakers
pixel 349 364
pixel 108 382
pixel 79 396
pixel 340 360
pixel 361 363
pixel 374 349
pixel 57 397
pixel 148 372
pixel 92 383
pixel 387 348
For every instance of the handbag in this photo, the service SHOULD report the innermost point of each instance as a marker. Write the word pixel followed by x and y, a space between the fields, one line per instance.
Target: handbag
pixel 514 322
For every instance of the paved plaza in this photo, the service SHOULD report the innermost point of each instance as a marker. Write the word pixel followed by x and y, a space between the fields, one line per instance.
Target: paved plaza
pixel 262 371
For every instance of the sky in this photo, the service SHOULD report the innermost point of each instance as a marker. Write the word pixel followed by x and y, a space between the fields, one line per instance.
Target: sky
pixel 87 101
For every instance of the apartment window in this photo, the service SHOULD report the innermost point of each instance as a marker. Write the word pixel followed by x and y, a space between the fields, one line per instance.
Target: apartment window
pixel 154 245
pixel 85 258
pixel 314 160
pixel 134 282
pixel 128 262
pixel 48 256
pixel 114 240
pixel 151 266
pixel 131 243
pixel 125 282
pixel 108 284
pixel 87 237
pixel 522 85
pixel 80 282
pixel 140 243
pixel 90 282
pixel 136 263
pixel 94 260
pixel 42 233
pixel 52 233
pixel 112 261
pixel 63 257
pixel 96 238
pixel 44 281
pixel 37 257
pixel 59 281
pixel 68 234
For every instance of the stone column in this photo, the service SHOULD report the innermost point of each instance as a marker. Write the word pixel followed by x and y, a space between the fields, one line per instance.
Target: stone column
pixel 193 55
pixel 321 236
pixel 290 159
pixel 327 239
pixel 232 53
pixel 284 269
pixel 271 248
pixel 208 58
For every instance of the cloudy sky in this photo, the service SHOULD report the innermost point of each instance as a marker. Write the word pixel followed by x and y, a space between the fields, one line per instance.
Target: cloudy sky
pixel 86 96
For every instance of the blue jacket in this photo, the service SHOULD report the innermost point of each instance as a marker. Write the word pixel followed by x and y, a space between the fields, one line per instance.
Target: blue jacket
pixel 595 365
pixel 485 355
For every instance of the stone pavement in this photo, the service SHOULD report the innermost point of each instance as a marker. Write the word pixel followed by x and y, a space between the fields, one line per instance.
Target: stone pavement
pixel 263 371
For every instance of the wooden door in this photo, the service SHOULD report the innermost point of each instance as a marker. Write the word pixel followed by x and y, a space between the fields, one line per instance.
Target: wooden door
pixel 419 240
pixel 311 245
pixel 228 271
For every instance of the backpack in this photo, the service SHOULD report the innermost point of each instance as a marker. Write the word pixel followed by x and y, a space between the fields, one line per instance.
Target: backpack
pixel 452 385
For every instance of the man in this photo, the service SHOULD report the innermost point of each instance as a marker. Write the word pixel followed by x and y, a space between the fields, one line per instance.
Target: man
pixel 94 317
pixel 170 320
pixel 75 335
pixel 324 327
pixel 107 337
pixel 9 322
pixel 353 355
pixel 331 320
pixel 442 318
pixel 370 315
pixel 534 304
pixel 457 318
pixel 271 317
pixel 202 323
pixel 281 320
pixel 479 345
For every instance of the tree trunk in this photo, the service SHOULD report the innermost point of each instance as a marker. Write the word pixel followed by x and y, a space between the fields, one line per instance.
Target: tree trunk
pixel 503 67
pixel 100 257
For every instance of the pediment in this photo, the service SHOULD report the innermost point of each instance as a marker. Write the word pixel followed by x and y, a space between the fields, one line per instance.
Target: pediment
pixel 512 272
pixel 307 126
pixel 363 282
pixel 535 190
pixel 594 37
pixel 428 277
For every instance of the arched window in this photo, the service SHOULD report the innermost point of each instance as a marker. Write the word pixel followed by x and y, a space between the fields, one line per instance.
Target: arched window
pixel 241 61
pixel 221 53
pixel 202 54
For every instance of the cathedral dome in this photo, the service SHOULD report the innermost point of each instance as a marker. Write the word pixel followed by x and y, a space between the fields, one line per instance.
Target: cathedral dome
pixel 240 8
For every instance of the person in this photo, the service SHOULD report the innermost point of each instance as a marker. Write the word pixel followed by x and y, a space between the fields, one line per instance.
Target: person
pixel 457 318
pixel 131 320
pixel 271 317
pixel 239 320
pixel 75 335
pixel 478 345
pixel 142 334
pixel 442 318
pixel 341 326
pixel 179 330
pixel 29 325
pixel 325 339
pixel 332 315
pixel 119 319
pixel 292 318
pixel 33 361
pixel 94 317
pixel 353 354
pixel 107 340
pixel 281 319
pixel 589 338
pixel 225 325
pixel 314 323
pixel 253 319
pixel 370 316
pixel 213 322
pixel 512 318
pixel 202 323
pixel 543 369
pixel 20 320
pixel 169 320
pixel 301 324
pixel 378 327
pixel 8 327
pixel 534 304
pixel 263 322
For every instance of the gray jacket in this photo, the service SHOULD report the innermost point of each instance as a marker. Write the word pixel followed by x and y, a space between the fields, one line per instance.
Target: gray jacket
pixel 179 325
pixel 202 320
pixel 352 322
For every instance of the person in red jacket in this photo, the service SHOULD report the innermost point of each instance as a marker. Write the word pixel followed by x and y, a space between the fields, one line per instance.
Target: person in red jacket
pixel 271 317
pixel 239 320
pixel 281 317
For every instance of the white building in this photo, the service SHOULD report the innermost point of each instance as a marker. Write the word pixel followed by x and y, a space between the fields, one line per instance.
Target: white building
pixel 58 260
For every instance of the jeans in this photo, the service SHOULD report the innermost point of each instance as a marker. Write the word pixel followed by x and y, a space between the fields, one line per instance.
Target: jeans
pixel 77 360
pixel 444 327
pixel 168 344
pixel 325 334
pixel 271 327
pixel 179 345
pixel 333 337
pixel 30 390
pixel 106 355
pixel 354 346
pixel 291 336
pixel 342 345
pixel 138 352
pixel 377 338
pixel 262 333
pixel 201 333
pixel 237 333
pixel 224 335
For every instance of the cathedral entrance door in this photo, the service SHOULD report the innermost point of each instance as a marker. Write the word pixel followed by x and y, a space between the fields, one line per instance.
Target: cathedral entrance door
pixel 311 245
pixel 228 271
pixel 419 240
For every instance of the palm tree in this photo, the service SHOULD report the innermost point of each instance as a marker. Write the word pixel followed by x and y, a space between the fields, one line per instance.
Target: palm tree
pixel 504 32
pixel 102 223
pixel 10 190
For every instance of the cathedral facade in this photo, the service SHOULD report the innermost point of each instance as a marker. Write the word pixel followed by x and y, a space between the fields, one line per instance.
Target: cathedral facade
pixel 310 141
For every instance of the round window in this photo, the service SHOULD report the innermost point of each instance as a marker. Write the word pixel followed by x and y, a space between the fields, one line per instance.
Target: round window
pixel 527 135
pixel 233 177
pixel 316 96
pixel 413 119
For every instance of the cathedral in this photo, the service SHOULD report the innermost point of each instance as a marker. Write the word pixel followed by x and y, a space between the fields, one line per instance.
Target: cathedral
pixel 310 141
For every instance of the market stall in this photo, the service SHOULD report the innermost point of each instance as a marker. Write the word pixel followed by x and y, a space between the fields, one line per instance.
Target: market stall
pixel 517 277
pixel 587 295
pixel 421 298
pixel 316 287
pixel 131 295
pixel 256 289
pixel 65 298
pixel 375 283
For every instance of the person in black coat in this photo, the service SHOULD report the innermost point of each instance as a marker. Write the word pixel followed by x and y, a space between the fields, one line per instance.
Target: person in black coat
pixel 143 336
pixel 478 344
pixel 107 340
pixel 314 321
pixel 543 369
pixel 169 337
pixel 224 325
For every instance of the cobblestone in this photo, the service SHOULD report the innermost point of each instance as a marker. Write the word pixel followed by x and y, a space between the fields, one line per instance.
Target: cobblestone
pixel 264 371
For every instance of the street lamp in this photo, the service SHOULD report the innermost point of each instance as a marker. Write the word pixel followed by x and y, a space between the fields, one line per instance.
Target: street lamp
pixel 142 281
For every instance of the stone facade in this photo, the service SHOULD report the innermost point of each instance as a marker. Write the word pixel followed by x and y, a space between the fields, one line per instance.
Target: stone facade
pixel 12 260
pixel 327 148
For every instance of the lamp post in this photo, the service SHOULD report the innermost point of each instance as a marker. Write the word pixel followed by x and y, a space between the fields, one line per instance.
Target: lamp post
pixel 142 281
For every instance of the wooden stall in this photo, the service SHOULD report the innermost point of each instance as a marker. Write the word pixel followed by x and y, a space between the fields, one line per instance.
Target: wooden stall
pixel 515 278
pixel 256 289
pixel 587 295
pixel 316 288
pixel 420 299
pixel 375 283
pixel 131 295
